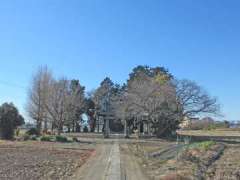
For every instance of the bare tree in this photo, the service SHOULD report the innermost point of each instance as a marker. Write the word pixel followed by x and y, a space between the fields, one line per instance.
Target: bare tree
pixel 37 96
pixel 56 104
pixel 194 101
pixel 154 97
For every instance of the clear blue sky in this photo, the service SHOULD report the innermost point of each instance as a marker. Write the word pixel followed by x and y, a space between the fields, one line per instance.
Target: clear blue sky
pixel 91 39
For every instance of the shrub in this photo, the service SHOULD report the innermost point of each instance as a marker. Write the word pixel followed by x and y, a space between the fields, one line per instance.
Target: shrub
pixel 34 138
pixel 33 131
pixel 9 120
pixel 46 138
pixel 61 139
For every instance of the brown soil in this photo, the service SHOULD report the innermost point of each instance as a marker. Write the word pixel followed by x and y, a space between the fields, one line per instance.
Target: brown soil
pixel 37 160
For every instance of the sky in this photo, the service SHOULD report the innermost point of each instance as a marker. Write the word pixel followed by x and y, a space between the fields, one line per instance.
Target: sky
pixel 91 39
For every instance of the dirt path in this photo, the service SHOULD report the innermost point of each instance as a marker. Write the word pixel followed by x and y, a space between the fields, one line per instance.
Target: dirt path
pixel 113 170
pixel 108 163
pixel 95 168
pixel 130 169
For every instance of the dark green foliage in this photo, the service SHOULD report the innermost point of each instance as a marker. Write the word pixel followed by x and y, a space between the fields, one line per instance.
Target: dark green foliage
pixel 107 82
pixel 61 139
pixel 148 71
pixel 9 120
pixel 19 120
pixel 34 138
pixel 33 131
pixel 47 138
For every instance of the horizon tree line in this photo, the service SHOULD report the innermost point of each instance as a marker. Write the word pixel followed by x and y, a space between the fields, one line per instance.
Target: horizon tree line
pixel 151 94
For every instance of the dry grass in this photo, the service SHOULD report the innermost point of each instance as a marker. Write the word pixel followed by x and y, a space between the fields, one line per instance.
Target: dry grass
pixel 228 166
pixel 219 132
pixel 207 160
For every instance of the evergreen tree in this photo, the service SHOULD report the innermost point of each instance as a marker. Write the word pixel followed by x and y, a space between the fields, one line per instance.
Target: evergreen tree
pixel 9 120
